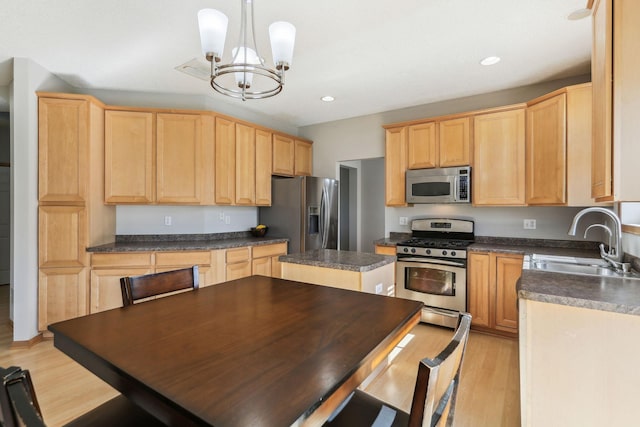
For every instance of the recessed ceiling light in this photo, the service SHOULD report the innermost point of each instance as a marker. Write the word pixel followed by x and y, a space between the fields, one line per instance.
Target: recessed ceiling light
pixel 490 60
pixel 579 14
pixel 328 98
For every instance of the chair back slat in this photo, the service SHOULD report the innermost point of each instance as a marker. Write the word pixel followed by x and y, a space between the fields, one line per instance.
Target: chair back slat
pixel 135 288
pixel 437 381
pixel 18 403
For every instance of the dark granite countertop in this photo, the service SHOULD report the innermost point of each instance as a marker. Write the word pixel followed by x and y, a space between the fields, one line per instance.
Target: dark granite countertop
pixel 340 260
pixel 181 242
pixel 598 293
pixel 393 239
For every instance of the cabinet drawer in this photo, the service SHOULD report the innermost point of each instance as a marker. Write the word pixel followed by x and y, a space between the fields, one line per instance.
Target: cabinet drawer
pixel 269 250
pixel 122 259
pixel 238 254
pixel 186 258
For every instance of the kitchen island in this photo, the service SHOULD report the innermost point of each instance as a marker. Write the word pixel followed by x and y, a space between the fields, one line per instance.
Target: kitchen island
pixel 357 271
pixel 578 349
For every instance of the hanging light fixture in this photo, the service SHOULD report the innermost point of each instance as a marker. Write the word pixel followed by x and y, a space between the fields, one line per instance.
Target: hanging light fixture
pixel 252 78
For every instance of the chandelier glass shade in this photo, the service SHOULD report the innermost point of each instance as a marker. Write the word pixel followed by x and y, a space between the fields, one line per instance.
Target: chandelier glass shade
pixel 247 75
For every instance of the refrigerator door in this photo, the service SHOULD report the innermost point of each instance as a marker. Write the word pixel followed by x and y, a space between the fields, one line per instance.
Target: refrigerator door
pixel 285 217
pixel 321 213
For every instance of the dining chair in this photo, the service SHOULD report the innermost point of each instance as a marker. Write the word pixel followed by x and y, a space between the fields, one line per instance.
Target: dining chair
pixel 135 288
pixel 19 407
pixel 434 395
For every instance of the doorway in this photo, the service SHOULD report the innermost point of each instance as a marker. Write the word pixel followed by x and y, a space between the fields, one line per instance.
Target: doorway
pixel 362 208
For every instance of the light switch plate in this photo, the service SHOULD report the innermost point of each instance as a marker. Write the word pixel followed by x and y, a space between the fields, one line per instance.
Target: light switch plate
pixel 404 220
pixel 167 220
pixel 529 224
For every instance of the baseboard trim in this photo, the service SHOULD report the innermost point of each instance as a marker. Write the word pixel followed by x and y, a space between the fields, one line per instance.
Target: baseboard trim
pixel 26 344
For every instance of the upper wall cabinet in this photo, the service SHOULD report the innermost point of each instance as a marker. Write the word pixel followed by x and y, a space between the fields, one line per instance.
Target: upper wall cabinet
pixel 225 161
pixel 441 143
pixel 601 75
pixel 395 166
pixel 283 155
pixel 179 147
pixel 245 165
pixel 546 155
pixel 616 100
pixel 303 158
pixel 129 157
pixel 63 153
pixel 264 155
pixel 156 157
pixel 499 158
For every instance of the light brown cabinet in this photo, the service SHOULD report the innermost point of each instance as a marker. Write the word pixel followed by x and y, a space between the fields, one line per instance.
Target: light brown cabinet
pixel 225 161
pixel 546 151
pixel 238 263
pixel 245 158
pixel 602 77
pixel 179 148
pixel 283 155
pixel 71 212
pixel 492 296
pixel 442 143
pixel 108 268
pixel 385 250
pixel 157 157
pixel 499 158
pixel 129 157
pixel 395 166
pixel 263 167
pixel 265 259
pixel 303 158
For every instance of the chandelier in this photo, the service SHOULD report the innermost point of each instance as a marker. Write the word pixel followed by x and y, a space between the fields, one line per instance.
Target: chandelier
pixel 247 76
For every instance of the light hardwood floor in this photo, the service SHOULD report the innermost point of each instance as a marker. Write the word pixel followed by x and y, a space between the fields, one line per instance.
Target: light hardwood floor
pixel 488 393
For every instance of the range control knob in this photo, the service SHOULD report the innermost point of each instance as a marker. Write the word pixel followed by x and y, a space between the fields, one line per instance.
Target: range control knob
pixel 453 253
pixel 428 251
pixel 406 250
pixel 413 250
pixel 444 253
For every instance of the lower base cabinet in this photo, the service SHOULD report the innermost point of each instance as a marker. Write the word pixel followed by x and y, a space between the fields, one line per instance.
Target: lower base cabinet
pixel 265 260
pixel 491 293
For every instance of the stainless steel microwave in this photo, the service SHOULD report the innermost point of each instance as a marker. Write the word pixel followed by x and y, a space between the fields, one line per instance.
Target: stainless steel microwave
pixel 441 185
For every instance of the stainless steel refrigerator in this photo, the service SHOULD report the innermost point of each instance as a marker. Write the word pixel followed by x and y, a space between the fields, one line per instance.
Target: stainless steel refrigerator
pixel 303 209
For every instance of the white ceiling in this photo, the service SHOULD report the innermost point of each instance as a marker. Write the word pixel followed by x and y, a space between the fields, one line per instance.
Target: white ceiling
pixel 372 56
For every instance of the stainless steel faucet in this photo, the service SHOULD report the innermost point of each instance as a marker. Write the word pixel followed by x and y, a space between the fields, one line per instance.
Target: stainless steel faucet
pixel 614 255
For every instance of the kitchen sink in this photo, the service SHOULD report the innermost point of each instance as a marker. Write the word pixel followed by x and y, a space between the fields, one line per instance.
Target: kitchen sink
pixel 575 265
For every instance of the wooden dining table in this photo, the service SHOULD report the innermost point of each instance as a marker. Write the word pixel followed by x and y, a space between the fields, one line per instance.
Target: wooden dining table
pixel 258 351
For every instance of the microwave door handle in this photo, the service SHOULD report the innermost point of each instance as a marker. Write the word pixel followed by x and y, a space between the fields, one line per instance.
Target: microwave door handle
pixel 456 189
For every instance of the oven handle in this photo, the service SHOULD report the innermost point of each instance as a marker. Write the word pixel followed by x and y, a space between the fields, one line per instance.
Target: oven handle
pixel 432 261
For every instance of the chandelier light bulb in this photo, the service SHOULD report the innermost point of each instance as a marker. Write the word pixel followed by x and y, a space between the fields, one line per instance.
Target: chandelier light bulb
pixel 282 35
pixel 213 31
pixel 245 55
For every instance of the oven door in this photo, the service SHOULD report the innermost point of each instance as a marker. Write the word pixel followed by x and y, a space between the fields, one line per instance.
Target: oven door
pixel 441 284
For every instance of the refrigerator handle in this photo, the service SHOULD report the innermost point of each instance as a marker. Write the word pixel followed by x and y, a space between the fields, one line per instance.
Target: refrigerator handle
pixel 324 230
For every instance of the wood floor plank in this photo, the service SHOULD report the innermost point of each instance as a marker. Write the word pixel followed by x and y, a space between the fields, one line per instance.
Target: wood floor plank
pixel 488 394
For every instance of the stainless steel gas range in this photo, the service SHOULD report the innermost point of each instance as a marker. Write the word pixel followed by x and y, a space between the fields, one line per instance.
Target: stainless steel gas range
pixel 432 267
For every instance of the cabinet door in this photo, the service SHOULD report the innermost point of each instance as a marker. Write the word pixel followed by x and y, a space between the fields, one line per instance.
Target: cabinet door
pixel 602 78
pixel 479 289
pixel 546 148
pixel 454 141
pixel 395 166
pixel 579 136
pixel 508 271
pixel 245 165
pixel 422 146
pixel 129 157
pixel 499 168
pixel 261 266
pixel 178 158
pixel 283 155
pixel 385 250
pixel 238 270
pixel 303 158
pixel 276 267
pixel 105 286
pixel 62 236
pixel 225 161
pixel 63 150
pixel 263 167
pixel 62 295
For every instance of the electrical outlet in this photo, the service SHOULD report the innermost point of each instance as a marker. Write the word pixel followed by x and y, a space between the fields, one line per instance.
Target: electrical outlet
pixel 167 220
pixel 221 216
pixel 404 220
pixel 529 224
pixel 379 288
pixel 227 219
